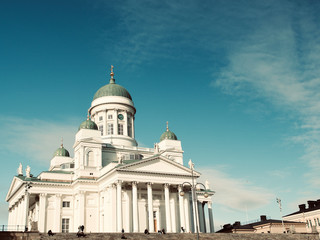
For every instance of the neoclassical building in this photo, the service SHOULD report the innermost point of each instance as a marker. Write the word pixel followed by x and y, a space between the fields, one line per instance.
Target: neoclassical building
pixel 111 183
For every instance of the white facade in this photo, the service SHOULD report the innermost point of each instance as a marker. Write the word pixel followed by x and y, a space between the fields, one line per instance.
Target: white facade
pixel 310 216
pixel 111 184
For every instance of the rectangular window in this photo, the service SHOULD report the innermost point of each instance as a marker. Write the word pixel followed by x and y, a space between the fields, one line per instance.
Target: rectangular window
pixel 318 222
pixel 120 129
pixel 308 223
pixel 100 118
pixel 101 129
pixel 129 130
pixel 110 116
pixel 110 128
pixel 65 204
pixel 65 225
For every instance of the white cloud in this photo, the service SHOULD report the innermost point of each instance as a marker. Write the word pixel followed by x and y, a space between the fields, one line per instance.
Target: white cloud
pixel 233 193
pixel 279 61
pixel 35 139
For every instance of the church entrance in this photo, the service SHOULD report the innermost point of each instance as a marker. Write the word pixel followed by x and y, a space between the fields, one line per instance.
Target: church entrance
pixel 155 221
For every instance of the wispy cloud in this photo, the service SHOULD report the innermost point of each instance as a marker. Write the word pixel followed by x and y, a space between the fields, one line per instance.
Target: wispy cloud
pixel 235 198
pixel 279 61
pixel 35 139
pixel 233 193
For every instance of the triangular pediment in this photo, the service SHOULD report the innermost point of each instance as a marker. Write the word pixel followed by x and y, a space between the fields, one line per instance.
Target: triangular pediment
pixel 15 184
pixel 158 164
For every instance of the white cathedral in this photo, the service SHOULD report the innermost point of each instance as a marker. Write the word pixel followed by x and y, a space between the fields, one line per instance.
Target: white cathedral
pixel 112 184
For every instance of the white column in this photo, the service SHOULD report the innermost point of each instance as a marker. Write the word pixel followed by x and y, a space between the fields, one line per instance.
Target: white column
pixel 210 217
pixel 119 206
pixel 115 117
pixel 106 214
pixel 187 211
pixel 181 209
pixel 174 220
pixel 132 125
pixel 105 119
pixel 57 216
pixel 200 216
pixel 82 209
pixel 125 127
pixel 10 216
pixel 22 211
pixel 167 205
pixel 204 218
pixel 195 210
pixel 150 207
pixel 42 212
pixel 135 207
pixel 25 210
pixel 127 217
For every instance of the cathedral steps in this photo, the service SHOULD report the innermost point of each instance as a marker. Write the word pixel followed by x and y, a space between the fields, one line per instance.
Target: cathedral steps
pixel 182 236
pixel 141 236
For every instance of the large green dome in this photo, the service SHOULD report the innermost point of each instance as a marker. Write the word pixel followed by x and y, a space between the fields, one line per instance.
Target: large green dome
pixel 88 124
pixel 112 89
pixel 61 151
pixel 168 135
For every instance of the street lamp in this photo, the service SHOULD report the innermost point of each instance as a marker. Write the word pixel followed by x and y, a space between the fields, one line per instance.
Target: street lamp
pixel 194 199
pixel 27 187
pixel 280 207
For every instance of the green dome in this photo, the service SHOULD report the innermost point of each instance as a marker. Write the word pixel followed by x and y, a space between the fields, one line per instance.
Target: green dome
pixel 112 89
pixel 61 151
pixel 88 124
pixel 168 135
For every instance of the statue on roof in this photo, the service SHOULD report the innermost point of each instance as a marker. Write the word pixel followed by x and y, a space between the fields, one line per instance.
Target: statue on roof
pixel 191 164
pixel 120 158
pixel 207 185
pixel 28 172
pixel 20 171
pixel 156 148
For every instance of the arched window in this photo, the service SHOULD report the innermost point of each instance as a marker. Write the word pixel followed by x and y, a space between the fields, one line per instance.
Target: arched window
pixel 90 159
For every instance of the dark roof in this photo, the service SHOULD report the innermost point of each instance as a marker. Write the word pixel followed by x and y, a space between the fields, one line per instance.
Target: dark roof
pixel 237 225
pixel 312 206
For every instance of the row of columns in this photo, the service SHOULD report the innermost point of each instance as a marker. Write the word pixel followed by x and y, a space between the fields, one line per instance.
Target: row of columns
pixel 17 212
pixel 201 219
pixel 183 208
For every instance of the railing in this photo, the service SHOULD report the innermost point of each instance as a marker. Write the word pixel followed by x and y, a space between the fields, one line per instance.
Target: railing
pixel 254 221
pixel 12 228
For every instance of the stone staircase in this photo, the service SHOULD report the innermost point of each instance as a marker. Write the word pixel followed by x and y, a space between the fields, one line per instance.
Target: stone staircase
pixel 141 236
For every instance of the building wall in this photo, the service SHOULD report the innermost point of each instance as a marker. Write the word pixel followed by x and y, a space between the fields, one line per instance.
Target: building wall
pixel 311 219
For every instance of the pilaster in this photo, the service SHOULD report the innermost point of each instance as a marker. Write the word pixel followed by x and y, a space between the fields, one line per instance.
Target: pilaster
pixel 57 216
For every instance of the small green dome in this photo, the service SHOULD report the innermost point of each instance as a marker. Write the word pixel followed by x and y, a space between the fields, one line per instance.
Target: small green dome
pixel 168 135
pixel 112 89
pixel 88 124
pixel 61 151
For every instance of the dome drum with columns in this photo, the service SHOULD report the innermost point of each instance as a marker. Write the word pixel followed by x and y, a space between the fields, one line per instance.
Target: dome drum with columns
pixel 111 183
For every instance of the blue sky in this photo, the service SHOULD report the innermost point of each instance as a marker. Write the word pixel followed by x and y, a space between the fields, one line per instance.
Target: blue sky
pixel 238 82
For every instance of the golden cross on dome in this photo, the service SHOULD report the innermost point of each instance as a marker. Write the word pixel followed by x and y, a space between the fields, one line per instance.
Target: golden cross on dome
pixel 111 74
pixel 167 126
pixel 61 141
